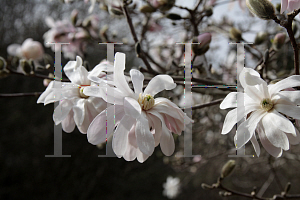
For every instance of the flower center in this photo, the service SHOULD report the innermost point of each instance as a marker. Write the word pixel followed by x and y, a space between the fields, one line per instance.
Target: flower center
pixel 146 101
pixel 81 93
pixel 266 104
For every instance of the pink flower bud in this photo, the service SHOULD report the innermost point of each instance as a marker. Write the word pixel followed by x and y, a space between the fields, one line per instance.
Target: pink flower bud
pixel 32 49
pixel 279 40
pixel 204 39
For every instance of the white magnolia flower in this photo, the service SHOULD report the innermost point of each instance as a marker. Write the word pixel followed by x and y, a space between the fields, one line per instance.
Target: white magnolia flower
pixel 267 108
pixel 171 187
pixel 76 108
pixel 142 122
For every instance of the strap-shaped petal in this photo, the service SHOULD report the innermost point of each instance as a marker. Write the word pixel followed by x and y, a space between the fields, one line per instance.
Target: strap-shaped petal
pixel 159 83
pixel 292 81
pixel 137 79
pixel 62 111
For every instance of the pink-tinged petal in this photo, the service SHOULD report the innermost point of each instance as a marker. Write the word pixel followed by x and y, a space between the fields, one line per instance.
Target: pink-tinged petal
pixel 247 128
pixel 119 78
pixel 255 145
pixel 167 143
pixel 289 82
pixel 166 109
pixel 174 125
pixel 280 122
pixel 141 157
pixel 144 137
pixel 157 127
pixel 273 134
pixel 254 93
pixel 98 74
pixel 130 153
pixel 293 5
pixel 235 116
pixel 62 111
pixel 270 148
pixel 89 115
pixel 284 5
pixel 293 96
pixel 159 83
pixel 137 79
pixel 79 111
pixel 68 124
pixel 132 107
pixel 294 139
pixel 96 133
pixel 290 110
pixel 120 137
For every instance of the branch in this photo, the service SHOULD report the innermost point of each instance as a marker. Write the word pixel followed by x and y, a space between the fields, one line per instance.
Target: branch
pixel 36 94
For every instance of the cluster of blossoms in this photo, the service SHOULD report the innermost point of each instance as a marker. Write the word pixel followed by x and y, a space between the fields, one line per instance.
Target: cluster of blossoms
pixel 141 122
pixel 268 109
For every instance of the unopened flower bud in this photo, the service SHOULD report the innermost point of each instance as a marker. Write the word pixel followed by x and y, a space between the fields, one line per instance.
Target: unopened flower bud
pixel 74 16
pixel 2 63
pixel 46 82
pixel 147 9
pixel 209 11
pixel 227 168
pixel 279 41
pixel 263 9
pixel 260 37
pixel 173 16
pixel 87 22
pixel 25 66
pixel 204 40
pixel 278 7
pixel 235 34
pixel 163 5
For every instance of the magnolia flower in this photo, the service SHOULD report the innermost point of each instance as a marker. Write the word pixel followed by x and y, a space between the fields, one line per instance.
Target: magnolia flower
pixel 267 108
pixel 141 121
pixel 74 107
pixel 30 49
pixel 171 187
pixel 289 5
pixel 65 32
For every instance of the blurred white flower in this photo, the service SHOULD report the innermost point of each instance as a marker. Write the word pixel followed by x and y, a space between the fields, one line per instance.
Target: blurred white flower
pixel 65 32
pixel 142 122
pixel 171 187
pixel 74 107
pixel 267 108
pixel 30 49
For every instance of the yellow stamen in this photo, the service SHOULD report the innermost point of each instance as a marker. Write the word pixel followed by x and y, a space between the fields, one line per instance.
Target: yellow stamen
pixel 146 101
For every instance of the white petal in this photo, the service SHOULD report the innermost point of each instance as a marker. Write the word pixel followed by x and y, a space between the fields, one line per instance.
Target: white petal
pixel 254 93
pixel 119 78
pixel 247 128
pixel 157 125
pixel 97 131
pixel 235 116
pixel 159 83
pixel 144 137
pixel 281 122
pixel 62 111
pixel 230 100
pixel 98 103
pixel 76 72
pixel 68 124
pixel 274 135
pixel 255 145
pixel 132 107
pixel 89 115
pixel 120 137
pixel 270 148
pixel 290 110
pixel 292 139
pixel 79 111
pixel 137 79
pixel 293 96
pixel 42 97
pixel 14 50
pixel 107 93
pixel 284 5
pixel 250 77
pixel 99 71
pixel 141 157
pixel 289 82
